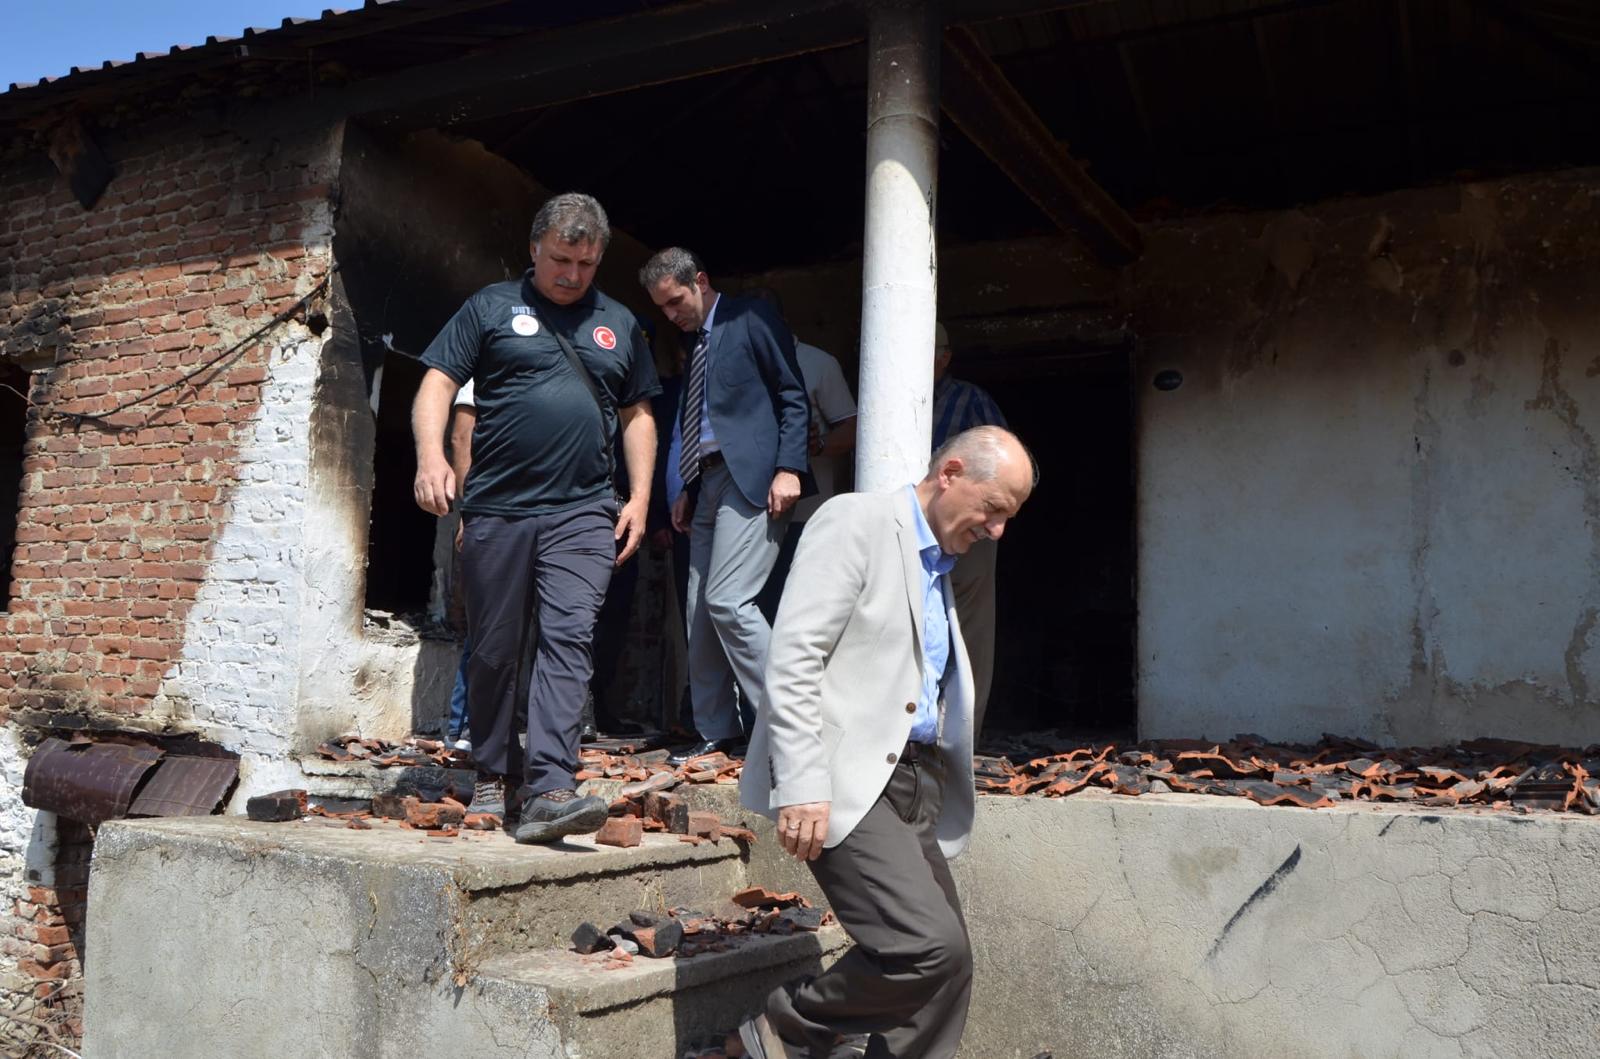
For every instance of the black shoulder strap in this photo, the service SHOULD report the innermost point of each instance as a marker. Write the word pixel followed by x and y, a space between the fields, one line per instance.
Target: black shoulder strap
pixel 578 367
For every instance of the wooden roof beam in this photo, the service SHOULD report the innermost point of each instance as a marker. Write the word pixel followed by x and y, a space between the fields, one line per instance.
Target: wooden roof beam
pixel 984 105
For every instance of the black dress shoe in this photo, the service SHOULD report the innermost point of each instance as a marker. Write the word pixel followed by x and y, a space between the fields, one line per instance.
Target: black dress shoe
pixel 733 747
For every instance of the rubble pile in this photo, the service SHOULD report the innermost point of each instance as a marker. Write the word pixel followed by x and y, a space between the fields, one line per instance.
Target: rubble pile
pixel 1490 773
pixel 659 811
pixel 383 753
pixel 436 812
pixel 641 766
pixel 686 933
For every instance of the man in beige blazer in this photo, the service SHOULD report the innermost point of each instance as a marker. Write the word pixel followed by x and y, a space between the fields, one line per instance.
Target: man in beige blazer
pixel 864 751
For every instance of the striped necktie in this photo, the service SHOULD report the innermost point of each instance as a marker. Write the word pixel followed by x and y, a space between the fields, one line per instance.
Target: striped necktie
pixel 693 398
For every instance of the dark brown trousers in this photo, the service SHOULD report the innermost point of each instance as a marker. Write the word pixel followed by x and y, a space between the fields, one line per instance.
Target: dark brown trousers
pixel 908 979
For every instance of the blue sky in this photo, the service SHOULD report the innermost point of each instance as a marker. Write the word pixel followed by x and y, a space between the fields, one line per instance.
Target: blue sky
pixel 46 38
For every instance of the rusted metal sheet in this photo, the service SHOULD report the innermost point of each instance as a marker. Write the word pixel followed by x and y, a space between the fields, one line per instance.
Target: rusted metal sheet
pixel 185 786
pixel 91 782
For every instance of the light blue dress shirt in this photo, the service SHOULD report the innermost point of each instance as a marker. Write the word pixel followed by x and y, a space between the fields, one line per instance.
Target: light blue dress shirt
pixel 935 624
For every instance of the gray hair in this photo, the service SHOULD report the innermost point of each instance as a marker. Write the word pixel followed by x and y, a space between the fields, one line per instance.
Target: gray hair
pixel 574 217
pixel 980 451
pixel 682 265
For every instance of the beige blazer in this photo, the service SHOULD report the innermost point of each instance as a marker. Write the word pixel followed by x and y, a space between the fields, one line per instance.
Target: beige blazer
pixel 844 672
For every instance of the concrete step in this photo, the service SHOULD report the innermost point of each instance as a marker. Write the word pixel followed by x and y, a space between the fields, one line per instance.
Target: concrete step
pixel 313 939
pixel 532 897
pixel 654 1009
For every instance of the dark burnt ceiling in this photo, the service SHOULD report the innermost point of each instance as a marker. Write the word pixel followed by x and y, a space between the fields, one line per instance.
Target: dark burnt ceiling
pixel 1172 106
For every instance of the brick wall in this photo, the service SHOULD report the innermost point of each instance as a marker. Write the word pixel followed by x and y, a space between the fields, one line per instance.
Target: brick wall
pixel 153 575
pixel 196 242
pixel 41 937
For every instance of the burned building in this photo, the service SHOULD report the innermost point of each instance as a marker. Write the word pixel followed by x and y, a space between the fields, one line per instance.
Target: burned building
pixel 1292 300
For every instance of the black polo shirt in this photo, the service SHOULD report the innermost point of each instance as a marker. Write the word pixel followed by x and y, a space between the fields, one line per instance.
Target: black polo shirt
pixel 540 443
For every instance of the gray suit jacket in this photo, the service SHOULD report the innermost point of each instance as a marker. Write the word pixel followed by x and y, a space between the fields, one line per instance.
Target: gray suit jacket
pixel 844 671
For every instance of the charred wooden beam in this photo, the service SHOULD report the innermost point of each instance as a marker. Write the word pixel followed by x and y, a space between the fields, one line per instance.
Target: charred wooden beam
pixel 984 105
pixel 602 57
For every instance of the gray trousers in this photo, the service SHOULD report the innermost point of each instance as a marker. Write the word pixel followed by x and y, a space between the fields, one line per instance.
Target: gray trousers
pixel 732 546
pixel 972 583
pixel 908 979
pixel 562 561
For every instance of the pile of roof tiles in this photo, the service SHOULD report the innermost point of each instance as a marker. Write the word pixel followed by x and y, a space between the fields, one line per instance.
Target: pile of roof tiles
pixel 434 803
pixel 1488 773
pixel 686 933
pixel 637 766
pixel 383 753
pixel 648 804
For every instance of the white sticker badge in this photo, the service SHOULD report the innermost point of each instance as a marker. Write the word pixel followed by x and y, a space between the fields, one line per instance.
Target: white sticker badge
pixel 524 324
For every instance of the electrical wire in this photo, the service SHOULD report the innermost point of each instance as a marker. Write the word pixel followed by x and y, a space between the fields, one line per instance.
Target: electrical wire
pixel 216 363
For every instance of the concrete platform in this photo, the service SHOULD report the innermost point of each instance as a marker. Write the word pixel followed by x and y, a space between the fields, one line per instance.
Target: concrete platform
pixel 1193 926
pixel 1159 926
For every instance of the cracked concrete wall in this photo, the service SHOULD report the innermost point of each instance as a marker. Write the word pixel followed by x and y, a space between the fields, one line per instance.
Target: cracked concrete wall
pixel 1181 925
pixel 342 957
pixel 1373 506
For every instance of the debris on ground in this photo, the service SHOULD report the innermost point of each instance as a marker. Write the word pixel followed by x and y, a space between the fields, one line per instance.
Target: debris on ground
pixel 277 806
pixel 623 831
pixel 657 810
pixel 643 770
pixel 1496 774
pixel 384 753
pixel 686 932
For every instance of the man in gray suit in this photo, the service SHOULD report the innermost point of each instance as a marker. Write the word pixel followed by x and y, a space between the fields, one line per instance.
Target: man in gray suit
pixel 743 416
pixel 863 752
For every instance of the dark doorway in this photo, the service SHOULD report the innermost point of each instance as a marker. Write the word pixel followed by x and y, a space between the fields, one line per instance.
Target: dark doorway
pixel 1064 637
pixel 400 545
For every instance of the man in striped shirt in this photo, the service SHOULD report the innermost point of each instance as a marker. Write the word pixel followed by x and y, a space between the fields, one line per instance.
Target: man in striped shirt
pixel 959 406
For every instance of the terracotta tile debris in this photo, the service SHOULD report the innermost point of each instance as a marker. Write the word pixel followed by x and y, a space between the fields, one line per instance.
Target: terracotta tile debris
pixel 277 806
pixel 685 932
pixel 447 818
pixel 640 769
pixel 761 897
pixel 624 831
pixel 1498 774
pixel 384 753
pixel 432 816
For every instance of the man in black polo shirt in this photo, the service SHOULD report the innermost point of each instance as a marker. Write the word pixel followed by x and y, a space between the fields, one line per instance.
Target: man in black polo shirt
pixel 542 522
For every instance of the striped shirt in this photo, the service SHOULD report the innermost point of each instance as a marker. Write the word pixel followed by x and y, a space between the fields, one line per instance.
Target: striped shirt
pixel 959 406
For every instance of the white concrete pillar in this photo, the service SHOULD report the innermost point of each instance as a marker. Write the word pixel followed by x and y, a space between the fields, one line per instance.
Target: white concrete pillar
pixel 899 270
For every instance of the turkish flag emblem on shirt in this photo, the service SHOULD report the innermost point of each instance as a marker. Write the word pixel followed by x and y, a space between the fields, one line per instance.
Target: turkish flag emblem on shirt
pixel 605 338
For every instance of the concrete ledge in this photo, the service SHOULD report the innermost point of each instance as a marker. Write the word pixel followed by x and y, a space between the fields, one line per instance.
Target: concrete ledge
pixel 1159 926
pixel 1186 925
pixel 472 861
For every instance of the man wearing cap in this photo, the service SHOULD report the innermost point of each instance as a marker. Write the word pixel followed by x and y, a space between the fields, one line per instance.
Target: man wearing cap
pixel 557 366
pixel 743 419
pixel 957 406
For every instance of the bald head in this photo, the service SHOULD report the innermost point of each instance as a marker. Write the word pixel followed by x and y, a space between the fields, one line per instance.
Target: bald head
pixel 976 483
